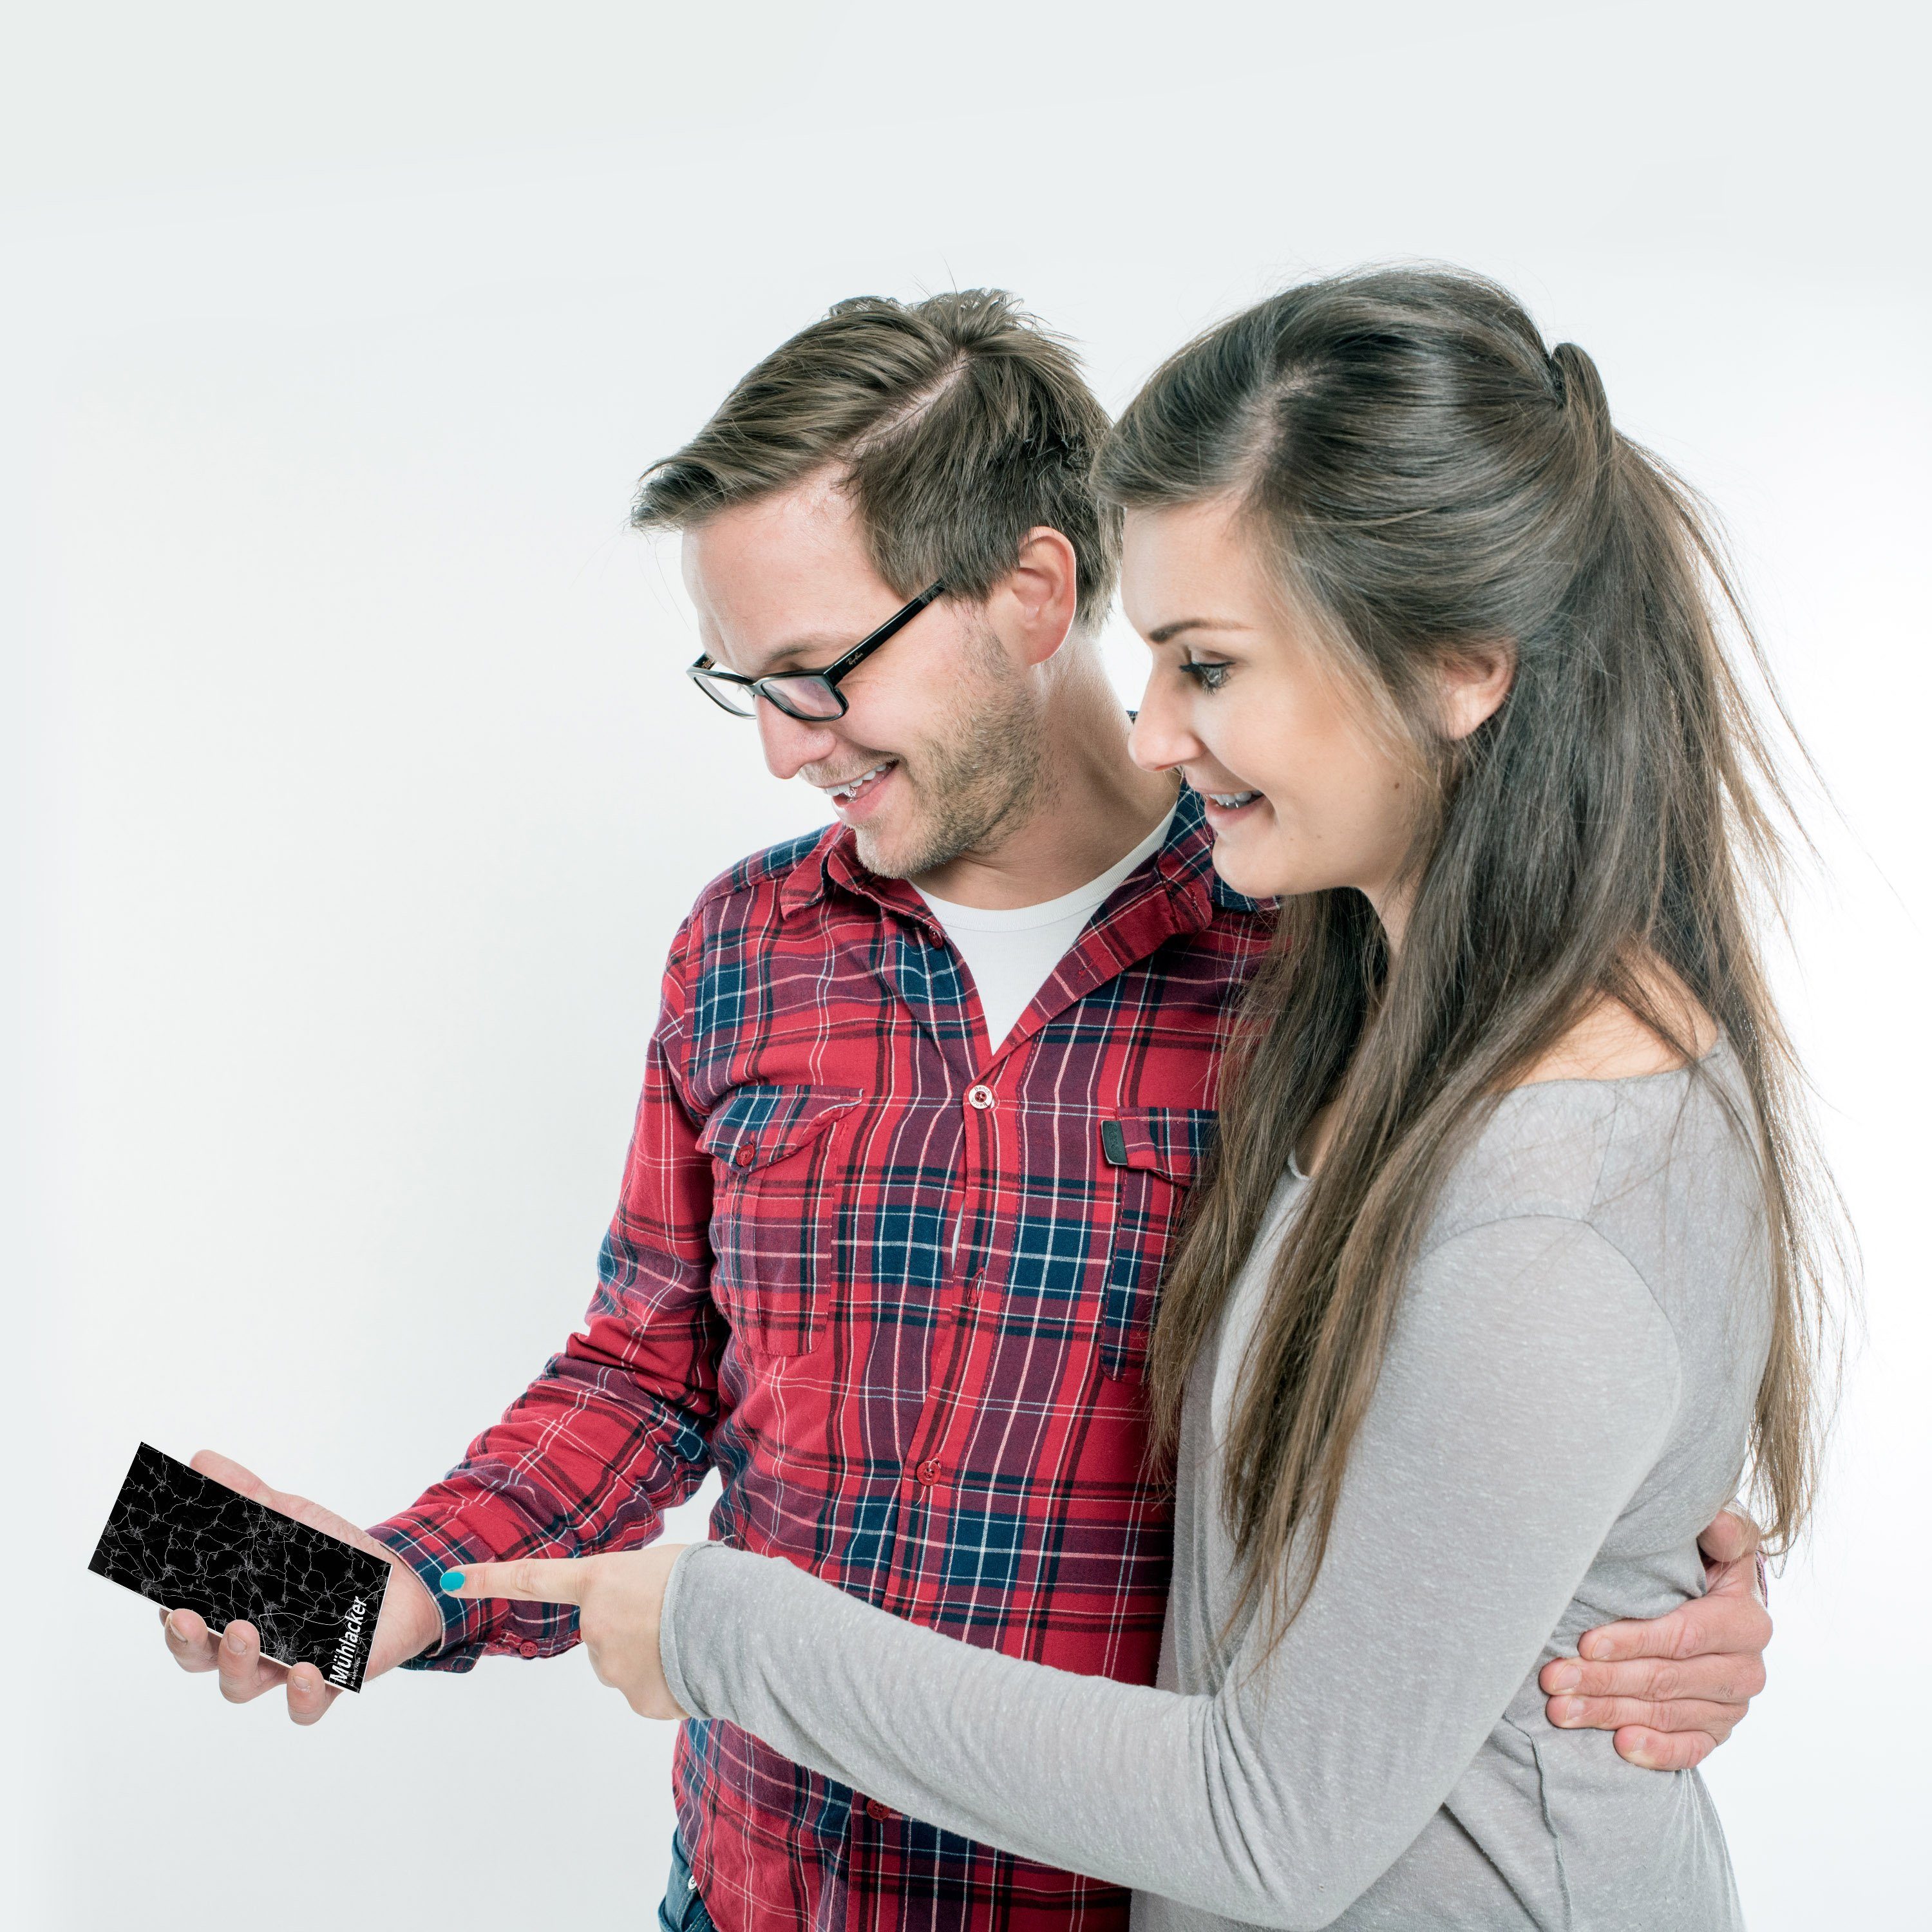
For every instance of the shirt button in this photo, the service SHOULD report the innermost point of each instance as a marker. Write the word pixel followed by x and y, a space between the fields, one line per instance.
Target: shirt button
pixel 980 1097
pixel 744 1156
pixel 874 1809
pixel 929 1471
pixel 526 1648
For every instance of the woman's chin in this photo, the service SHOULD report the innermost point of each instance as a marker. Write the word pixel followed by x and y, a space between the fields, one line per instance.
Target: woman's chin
pixel 1250 874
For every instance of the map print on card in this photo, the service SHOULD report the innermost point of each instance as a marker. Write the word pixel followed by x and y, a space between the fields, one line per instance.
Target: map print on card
pixel 189 1542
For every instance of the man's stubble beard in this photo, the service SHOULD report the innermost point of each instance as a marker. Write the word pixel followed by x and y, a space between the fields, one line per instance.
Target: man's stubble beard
pixel 985 774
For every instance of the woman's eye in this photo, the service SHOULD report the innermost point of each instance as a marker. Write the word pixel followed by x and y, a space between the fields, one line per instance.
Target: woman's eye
pixel 1209 674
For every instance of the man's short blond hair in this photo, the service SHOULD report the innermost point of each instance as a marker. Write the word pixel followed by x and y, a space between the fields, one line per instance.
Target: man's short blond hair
pixel 957 424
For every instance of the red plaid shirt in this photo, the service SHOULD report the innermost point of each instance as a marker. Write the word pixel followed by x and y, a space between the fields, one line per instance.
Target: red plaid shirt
pixel 896 1286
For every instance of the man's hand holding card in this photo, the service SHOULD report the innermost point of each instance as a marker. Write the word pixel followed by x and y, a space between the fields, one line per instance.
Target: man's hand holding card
pixel 408 1621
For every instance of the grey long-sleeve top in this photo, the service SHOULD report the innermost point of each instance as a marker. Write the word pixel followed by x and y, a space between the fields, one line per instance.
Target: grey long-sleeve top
pixel 1563 1406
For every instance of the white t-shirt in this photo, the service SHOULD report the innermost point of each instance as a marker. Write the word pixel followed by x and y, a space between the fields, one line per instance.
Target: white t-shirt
pixel 1010 953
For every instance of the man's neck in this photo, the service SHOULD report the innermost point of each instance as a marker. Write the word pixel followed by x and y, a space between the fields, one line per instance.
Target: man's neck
pixel 1098 805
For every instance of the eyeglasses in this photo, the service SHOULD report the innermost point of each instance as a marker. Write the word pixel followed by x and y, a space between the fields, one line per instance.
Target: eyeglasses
pixel 811 695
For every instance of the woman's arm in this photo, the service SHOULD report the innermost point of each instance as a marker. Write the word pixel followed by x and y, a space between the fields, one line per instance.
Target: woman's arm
pixel 1480 1489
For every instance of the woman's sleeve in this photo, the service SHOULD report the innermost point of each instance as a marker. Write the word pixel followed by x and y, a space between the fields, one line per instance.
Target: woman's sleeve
pixel 1529 1387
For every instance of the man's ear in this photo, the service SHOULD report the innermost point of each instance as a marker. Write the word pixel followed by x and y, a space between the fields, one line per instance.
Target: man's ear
pixel 1475 681
pixel 1032 608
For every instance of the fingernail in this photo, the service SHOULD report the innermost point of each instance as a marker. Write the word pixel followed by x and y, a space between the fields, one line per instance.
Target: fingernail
pixel 233 1641
pixel 1567 1678
pixel 452 1580
pixel 172 1631
pixel 1573 1710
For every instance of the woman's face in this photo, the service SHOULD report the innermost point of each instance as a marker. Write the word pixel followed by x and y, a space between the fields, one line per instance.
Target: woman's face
pixel 1304 793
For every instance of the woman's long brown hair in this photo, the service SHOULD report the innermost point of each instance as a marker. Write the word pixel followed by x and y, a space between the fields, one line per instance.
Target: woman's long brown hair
pixel 1425 477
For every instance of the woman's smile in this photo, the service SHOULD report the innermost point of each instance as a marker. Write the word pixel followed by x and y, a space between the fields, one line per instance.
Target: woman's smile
pixel 1227 810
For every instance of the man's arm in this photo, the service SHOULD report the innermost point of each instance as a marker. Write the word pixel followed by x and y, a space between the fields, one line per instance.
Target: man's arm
pixel 615 1429
pixel 1673 1689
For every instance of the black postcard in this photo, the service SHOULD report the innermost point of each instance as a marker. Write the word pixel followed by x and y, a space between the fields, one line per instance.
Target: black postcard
pixel 188 1542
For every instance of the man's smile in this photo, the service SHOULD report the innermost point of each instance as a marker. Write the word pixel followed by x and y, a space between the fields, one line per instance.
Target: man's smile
pixel 852 798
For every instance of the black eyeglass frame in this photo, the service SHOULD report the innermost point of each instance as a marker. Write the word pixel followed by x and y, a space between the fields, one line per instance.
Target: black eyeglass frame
pixel 829 677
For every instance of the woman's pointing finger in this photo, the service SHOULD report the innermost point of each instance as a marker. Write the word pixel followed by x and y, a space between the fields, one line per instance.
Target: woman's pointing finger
pixel 530 1579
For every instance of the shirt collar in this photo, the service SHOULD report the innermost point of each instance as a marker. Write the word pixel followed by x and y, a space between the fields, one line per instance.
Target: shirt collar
pixel 1184 864
pixel 834 861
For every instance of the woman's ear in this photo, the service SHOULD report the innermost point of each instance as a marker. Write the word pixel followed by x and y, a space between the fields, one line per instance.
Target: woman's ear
pixel 1475 681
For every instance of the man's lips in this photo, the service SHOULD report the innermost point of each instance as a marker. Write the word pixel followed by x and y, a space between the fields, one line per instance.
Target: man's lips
pixel 849 788
pixel 852 798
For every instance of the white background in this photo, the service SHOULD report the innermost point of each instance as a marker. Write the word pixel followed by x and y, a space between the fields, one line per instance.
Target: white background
pixel 355 789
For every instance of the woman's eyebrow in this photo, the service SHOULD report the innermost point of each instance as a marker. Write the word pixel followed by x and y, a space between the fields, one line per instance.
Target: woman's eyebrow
pixel 1168 632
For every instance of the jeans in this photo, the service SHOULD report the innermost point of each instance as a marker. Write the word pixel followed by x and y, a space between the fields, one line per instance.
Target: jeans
pixel 683 1910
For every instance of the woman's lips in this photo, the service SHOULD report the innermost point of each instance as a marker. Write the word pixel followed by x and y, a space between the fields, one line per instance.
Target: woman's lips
pixel 1225 809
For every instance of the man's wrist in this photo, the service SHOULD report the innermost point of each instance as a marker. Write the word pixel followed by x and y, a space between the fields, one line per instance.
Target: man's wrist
pixel 417 1620
pixel 433 1631
pixel 425 1628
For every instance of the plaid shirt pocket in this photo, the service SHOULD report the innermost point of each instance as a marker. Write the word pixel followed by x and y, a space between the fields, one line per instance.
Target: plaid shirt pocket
pixel 771 1224
pixel 1156 1151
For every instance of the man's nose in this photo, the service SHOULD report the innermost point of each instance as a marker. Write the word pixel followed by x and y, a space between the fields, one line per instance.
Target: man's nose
pixel 1161 736
pixel 791 743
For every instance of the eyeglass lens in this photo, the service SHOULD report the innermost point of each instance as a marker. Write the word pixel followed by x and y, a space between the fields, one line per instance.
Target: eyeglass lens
pixel 804 696
pixel 736 698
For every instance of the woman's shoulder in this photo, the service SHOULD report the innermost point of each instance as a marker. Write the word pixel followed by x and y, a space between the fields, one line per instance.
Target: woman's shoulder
pixel 1615 1121
pixel 1622 1190
pixel 1658 1166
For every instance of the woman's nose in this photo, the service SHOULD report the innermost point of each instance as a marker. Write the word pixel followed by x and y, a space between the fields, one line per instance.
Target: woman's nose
pixel 1160 738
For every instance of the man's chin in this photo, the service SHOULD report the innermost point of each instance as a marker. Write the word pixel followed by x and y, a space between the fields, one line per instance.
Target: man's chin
pixel 912 837
pixel 882 855
pixel 902 851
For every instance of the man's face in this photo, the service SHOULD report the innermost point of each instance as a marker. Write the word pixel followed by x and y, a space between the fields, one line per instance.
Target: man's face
pixel 939 747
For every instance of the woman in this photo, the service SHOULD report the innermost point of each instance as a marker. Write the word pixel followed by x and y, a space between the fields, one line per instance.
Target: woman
pixel 1508 1261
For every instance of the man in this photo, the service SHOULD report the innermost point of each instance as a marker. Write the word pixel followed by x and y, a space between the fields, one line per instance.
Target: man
pixel 924 1100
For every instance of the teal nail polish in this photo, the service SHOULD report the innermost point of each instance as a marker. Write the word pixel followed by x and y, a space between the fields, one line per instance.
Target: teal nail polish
pixel 452 1579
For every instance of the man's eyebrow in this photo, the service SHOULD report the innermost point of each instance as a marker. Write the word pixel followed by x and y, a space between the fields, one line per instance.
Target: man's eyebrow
pixel 823 648
pixel 1167 633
